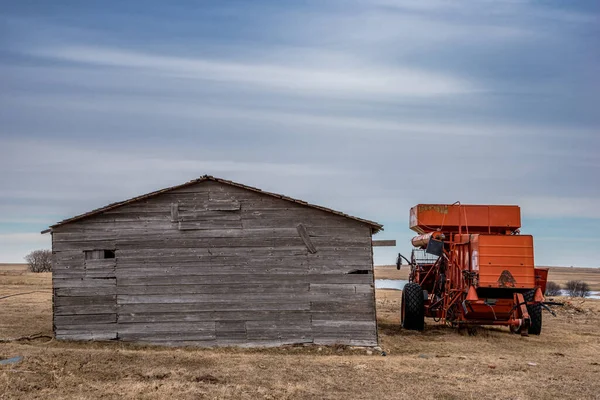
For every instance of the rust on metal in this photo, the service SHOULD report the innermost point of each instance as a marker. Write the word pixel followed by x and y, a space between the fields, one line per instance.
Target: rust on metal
pixel 439 208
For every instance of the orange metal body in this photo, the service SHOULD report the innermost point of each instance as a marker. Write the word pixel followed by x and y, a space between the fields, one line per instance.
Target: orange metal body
pixel 458 218
pixel 485 267
pixel 503 261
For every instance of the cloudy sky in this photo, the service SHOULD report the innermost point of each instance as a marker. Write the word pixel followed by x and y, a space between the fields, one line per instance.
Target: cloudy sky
pixel 366 106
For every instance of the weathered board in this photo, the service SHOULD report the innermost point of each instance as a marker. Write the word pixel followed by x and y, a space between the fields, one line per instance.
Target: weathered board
pixel 214 264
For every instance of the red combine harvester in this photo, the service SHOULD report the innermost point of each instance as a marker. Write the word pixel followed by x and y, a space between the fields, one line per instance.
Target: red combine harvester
pixel 470 266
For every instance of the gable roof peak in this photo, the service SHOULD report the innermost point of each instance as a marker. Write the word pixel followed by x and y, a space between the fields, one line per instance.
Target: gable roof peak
pixel 376 227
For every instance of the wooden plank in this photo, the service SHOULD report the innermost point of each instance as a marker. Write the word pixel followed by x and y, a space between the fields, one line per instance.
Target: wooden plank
pixel 364 306
pixel 83 245
pixel 380 243
pixel 306 239
pixel 222 205
pixel 208 262
pixel 340 288
pixel 342 316
pixel 345 341
pixel 301 324
pixel 85 309
pixel 343 326
pixel 214 270
pixel 63 270
pixel 261 330
pixel 86 291
pixel 207 289
pixel 290 336
pixel 208 306
pixel 174 212
pixel 83 283
pixel 291 221
pixel 231 330
pixel 240 278
pixel 342 269
pixel 169 327
pixel 95 274
pixel 84 300
pixel 83 328
pixel 209 224
pixel 95 336
pixel 294 213
pixel 325 259
pixel 218 298
pixel 107 263
pixel 88 319
pixel 159 338
pixel 124 223
pixel 210 215
pixel 180 316
pixel 198 253
pixel 183 241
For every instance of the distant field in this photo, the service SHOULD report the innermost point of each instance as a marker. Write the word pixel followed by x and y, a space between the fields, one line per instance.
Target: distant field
pixel 390 272
pixel 13 268
pixel 559 275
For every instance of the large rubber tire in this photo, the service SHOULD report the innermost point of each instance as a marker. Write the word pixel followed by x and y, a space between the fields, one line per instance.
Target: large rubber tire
pixel 413 307
pixel 535 314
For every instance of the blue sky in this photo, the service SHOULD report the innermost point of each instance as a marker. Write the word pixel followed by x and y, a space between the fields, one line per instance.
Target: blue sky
pixel 366 106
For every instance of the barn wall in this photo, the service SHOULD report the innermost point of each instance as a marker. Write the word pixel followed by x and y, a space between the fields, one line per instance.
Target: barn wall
pixel 214 264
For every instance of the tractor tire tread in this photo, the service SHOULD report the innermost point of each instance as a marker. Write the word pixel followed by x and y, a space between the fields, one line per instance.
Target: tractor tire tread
pixel 414 310
pixel 535 314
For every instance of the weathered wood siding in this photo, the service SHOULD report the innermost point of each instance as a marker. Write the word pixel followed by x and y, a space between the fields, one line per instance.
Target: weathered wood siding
pixel 214 264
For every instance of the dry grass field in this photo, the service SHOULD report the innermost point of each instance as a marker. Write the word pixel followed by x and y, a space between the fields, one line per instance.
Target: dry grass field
pixel 561 275
pixel 440 363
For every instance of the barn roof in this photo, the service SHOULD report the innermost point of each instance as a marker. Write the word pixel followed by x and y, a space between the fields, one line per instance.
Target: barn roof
pixel 374 225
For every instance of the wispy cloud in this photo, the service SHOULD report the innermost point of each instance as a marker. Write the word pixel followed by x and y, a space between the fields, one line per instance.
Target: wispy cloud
pixel 352 78
pixel 561 206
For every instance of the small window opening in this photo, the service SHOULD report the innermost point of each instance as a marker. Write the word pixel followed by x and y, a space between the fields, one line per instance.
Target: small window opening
pixel 359 271
pixel 99 254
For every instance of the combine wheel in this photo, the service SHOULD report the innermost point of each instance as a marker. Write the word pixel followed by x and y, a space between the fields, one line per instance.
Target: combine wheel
pixel 535 314
pixel 412 315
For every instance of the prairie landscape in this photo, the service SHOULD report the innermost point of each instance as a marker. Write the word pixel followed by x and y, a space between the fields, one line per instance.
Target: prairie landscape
pixel 440 363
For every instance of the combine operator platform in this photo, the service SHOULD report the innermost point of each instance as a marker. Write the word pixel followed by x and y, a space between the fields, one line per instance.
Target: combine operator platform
pixel 470 266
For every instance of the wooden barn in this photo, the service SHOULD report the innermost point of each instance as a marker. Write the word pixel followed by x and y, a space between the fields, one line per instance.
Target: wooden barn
pixel 214 263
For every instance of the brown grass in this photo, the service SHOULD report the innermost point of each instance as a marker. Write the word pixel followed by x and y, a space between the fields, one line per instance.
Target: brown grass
pixel 439 363
pixel 391 272
pixel 10 269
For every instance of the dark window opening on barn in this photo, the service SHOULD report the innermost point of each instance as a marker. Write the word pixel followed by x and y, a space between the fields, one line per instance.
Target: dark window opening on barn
pixel 99 254
pixel 360 271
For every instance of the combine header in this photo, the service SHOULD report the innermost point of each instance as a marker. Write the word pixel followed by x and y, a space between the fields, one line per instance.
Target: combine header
pixel 470 266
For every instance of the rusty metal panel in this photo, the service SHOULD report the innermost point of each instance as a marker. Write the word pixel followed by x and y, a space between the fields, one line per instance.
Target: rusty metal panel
pixel 467 218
